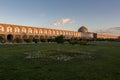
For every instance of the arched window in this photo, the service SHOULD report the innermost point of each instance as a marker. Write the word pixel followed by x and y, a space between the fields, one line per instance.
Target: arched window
pixel 53 31
pixel 1 29
pixel 29 30
pixel 64 33
pixel 9 29
pixel 50 32
pixel 35 31
pixel 40 31
pixel 61 33
pixel 57 32
pixel 24 30
pixel 17 30
pixel 45 31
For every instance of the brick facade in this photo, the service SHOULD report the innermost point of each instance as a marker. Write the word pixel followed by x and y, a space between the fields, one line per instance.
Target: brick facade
pixel 21 31
pixel 17 31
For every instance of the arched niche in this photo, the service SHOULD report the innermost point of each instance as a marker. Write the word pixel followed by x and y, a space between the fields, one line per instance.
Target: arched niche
pixel 1 28
pixel 9 29
pixel 17 30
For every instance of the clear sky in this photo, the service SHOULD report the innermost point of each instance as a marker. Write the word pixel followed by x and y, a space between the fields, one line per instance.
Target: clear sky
pixel 96 15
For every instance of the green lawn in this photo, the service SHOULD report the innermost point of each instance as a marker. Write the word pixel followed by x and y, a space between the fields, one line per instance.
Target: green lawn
pixel 96 61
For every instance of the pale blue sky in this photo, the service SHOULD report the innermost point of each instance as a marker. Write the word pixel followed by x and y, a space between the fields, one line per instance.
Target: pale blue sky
pixel 95 14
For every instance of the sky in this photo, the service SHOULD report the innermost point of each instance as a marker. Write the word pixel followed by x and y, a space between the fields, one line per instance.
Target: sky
pixel 100 16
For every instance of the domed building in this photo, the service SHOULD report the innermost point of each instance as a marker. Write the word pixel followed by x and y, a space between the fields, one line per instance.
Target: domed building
pixel 83 29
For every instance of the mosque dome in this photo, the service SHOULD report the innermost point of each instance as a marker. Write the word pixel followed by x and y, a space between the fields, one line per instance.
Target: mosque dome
pixel 82 29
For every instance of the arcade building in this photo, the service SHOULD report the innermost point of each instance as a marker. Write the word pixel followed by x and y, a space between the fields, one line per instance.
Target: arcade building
pixel 10 32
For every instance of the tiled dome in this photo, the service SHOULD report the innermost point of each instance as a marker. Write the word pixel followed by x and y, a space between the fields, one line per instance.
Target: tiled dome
pixel 82 29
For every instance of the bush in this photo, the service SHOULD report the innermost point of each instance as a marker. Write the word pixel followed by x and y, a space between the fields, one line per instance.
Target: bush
pixel 83 42
pixel 59 39
pixel 51 40
pixel 73 41
pixel 18 40
pixel 36 39
pixel 29 40
pixel 80 42
pixel 1 38
pixel 43 39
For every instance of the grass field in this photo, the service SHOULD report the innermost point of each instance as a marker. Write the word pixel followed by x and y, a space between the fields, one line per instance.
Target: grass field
pixel 96 61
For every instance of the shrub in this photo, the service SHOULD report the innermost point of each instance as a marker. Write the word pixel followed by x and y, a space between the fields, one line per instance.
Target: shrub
pixel 36 39
pixel 29 40
pixel 1 38
pixel 59 39
pixel 51 40
pixel 77 41
pixel 83 42
pixel 18 40
pixel 43 39
pixel 73 41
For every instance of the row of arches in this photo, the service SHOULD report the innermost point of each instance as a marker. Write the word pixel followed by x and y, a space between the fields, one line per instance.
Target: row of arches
pixel 22 38
pixel 30 30
pixel 6 38
pixel 11 37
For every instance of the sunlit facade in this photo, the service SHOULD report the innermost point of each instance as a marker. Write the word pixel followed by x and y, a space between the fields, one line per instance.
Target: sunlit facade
pixel 16 30
pixel 8 31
